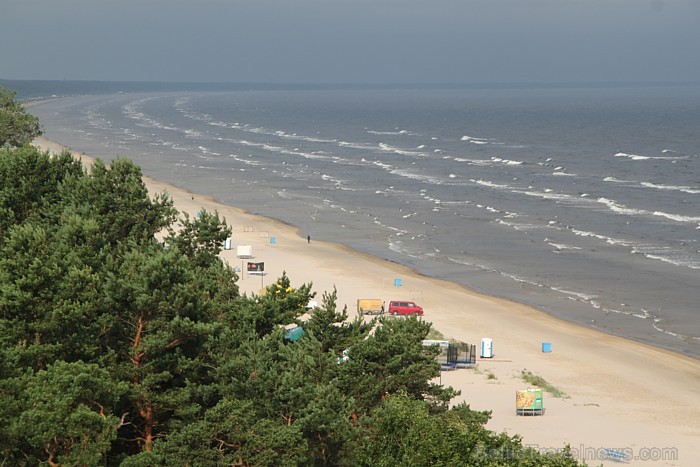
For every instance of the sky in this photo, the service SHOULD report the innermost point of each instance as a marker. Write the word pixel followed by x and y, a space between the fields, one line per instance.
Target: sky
pixel 351 41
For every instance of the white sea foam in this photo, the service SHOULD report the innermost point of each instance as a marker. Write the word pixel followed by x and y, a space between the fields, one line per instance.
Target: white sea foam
pixel 474 140
pixel 415 176
pixel 621 208
pixel 398 247
pixel 254 129
pixel 460 261
pixel 685 189
pixel 395 132
pixel 403 152
pixel 634 157
pixel 245 161
pixel 676 261
pixel 311 139
pixel 347 144
pixel 659 253
pixel 382 165
pixel 558 197
pixel 562 172
pixel 561 246
pixel 520 280
pixel 607 239
pixel 479 162
pixel 339 184
pixel 494 161
pixel 208 151
pixel 506 161
pixel 283 150
pixel 678 217
pixel 637 157
pixel 578 295
pixel 583 233
pixel 330 204
pixel 617 180
pixel 519 226
pixel 489 184
pixel 192 133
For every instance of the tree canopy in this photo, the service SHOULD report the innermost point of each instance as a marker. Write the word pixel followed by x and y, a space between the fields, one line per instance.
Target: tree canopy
pixel 124 340
pixel 17 126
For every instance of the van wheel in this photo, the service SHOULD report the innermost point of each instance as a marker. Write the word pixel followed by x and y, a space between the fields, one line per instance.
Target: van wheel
pixel 395 313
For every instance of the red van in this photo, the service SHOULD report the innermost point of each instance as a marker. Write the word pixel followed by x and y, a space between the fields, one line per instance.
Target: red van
pixel 404 308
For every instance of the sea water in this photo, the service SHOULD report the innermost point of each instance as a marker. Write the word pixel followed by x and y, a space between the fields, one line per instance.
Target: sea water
pixel 583 202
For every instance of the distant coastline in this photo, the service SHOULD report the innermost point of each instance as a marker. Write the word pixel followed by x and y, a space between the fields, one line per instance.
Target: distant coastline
pixel 36 89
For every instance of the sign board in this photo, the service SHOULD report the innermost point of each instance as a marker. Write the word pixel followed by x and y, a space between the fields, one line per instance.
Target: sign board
pixel 529 401
pixel 256 267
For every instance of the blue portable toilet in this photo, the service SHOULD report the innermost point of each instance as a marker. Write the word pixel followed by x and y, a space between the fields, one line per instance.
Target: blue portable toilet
pixel 397 282
pixel 546 347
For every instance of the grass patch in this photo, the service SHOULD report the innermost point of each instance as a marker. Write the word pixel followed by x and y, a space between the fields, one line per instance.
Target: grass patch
pixel 435 335
pixel 489 375
pixel 542 383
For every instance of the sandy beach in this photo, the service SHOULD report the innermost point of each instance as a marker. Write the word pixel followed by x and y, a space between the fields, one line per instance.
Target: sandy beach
pixel 623 395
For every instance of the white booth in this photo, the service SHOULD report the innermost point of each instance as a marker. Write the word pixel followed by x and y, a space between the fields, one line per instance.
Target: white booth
pixel 244 251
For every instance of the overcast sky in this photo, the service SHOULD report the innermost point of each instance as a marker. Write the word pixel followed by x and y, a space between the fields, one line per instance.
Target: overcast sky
pixel 351 41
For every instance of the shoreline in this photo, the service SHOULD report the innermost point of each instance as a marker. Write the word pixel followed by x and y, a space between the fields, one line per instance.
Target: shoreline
pixel 590 287
pixel 622 393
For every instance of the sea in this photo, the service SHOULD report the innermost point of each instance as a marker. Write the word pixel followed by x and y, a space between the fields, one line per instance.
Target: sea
pixel 581 201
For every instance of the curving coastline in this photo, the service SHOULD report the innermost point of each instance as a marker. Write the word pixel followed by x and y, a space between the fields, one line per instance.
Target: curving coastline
pixel 622 393
pixel 581 247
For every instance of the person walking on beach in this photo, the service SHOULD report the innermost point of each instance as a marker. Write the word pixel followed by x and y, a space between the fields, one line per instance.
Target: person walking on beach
pixel 308 239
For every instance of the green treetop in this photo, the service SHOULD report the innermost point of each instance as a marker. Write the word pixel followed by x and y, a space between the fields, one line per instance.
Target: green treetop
pixel 17 126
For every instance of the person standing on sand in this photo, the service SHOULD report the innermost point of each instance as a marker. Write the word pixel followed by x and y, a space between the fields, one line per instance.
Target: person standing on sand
pixel 308 239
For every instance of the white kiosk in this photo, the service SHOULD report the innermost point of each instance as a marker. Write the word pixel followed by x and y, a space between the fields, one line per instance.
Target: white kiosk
pixel 244 251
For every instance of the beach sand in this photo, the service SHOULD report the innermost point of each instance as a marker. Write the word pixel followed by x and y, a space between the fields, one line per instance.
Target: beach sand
pixel 623 395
